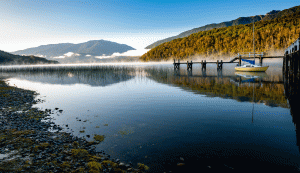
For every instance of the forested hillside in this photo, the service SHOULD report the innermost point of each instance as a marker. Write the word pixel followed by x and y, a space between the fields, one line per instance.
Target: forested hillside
pixel 270 35
pixel 238 21
pixel 241 20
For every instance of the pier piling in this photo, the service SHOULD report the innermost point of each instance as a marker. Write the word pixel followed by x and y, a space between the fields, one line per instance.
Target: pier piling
pixel 219 65
pixel 176 65
pixel 203 64
pixel 189 66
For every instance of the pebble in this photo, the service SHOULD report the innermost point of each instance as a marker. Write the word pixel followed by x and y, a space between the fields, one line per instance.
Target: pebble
pixel 180 164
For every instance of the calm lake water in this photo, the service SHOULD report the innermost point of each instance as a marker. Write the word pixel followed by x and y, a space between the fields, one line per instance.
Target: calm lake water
pixel 151 114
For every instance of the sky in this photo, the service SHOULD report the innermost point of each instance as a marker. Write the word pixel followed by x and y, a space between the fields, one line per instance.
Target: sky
pixel 30 23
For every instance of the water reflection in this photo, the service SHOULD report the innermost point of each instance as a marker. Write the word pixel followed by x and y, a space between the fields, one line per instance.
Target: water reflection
pixel 292 93
pixel 236 86
pixel 154 120
pixel 90 75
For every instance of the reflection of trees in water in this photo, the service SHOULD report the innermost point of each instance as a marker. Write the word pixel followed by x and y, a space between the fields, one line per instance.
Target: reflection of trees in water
pixel 91 75
pixel 272 94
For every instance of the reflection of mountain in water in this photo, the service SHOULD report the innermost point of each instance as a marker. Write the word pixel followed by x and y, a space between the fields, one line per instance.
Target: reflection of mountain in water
pixel 93 76
pixel 270 93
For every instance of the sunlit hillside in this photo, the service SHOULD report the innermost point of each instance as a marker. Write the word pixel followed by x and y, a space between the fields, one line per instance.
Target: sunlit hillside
pixel 270 35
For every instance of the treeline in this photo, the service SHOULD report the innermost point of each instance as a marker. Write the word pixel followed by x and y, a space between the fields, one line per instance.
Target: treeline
pixel 270 35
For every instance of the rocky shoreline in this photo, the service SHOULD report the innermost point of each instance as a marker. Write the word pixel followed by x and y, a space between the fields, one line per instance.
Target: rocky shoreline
pixel 31 143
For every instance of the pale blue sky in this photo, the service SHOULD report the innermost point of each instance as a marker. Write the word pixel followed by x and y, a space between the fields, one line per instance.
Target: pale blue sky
pixel 30 23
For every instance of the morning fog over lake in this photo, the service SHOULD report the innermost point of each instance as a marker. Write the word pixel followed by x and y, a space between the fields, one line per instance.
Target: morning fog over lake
pixel 172 120
pixel 89 86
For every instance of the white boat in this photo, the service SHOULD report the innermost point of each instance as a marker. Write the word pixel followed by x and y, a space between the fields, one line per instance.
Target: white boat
pixel 252 67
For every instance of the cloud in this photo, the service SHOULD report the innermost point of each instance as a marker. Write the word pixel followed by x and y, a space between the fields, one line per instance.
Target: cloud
pixel 103 57
pixel 138 52
pixel 39 55
pixel 59 57
pixel 69 54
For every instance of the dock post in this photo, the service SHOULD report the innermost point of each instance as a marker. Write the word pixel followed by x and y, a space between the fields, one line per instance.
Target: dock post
pixel 287 69
pixel 260 60
pixel 220 75
pixel 240 60
pixel 203 65
pixel 295 66
pixel 283 63
pixel 286 62
pixel 190 68
pixel 298 56
pixel 291 76
pixel 203 73
pixel 189 65
pixel 218 65
pixel 296 73
pixel 176 65
pixel 221 64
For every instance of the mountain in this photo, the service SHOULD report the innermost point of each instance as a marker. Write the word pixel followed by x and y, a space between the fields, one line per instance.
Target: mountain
pixel 241 20
pixel 276 14
pixel 238 21
pixel 274 34
pixel 93 48
pixel 10 59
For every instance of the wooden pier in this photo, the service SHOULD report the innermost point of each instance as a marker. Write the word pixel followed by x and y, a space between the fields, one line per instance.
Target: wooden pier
pixel 220 63
pixel 291 78
pixel 291 68
pixel 203 64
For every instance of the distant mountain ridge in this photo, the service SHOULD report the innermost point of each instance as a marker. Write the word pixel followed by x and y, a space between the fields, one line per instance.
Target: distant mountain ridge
pixel 93 47
pixel 241 20
pixel 10 59
pixel 270 35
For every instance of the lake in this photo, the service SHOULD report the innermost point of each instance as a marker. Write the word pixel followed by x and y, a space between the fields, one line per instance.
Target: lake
pixel 172 120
